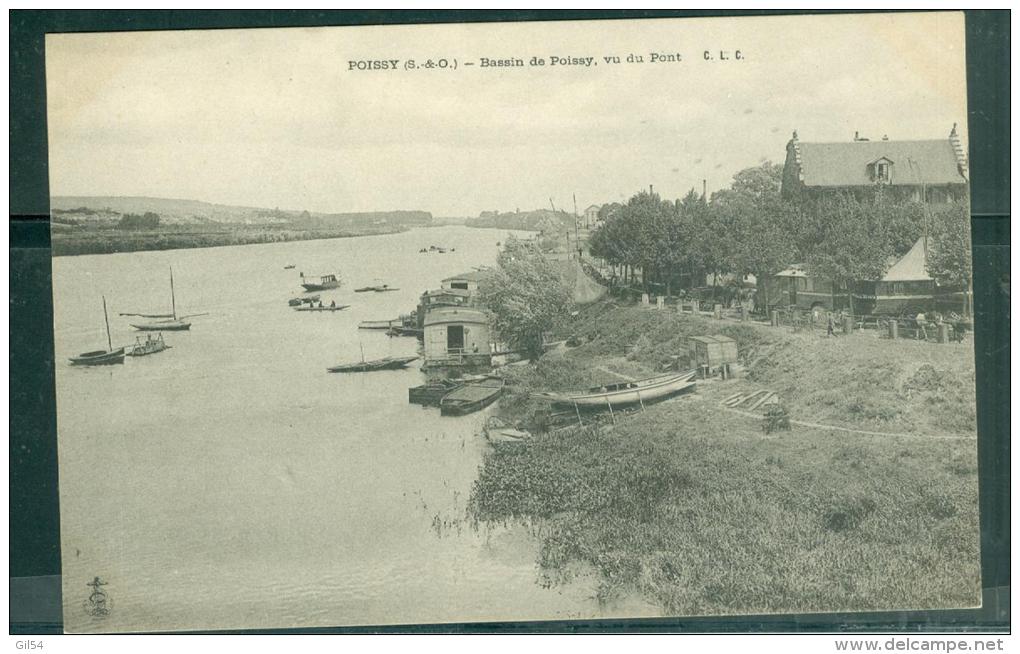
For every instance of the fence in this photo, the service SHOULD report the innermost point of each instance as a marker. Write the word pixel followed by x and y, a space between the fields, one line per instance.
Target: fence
pixel 798 320
pixel 936 331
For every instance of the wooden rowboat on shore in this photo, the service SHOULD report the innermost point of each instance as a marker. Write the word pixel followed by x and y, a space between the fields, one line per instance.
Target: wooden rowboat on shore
pixel 624 393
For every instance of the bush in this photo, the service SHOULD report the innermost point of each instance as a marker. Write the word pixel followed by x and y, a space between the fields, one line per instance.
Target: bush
pixel 776 418
pixel 848 514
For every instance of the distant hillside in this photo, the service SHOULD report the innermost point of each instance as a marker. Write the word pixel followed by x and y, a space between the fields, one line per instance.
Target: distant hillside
pixel 170 210
pixel 86 210
pixel 527 220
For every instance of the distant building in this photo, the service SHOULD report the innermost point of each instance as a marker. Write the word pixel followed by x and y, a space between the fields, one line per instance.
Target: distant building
pixel 457 336
pixel 591 215
pixel 932 171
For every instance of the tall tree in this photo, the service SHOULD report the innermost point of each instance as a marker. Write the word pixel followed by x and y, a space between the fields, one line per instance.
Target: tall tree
pixel 852 241
pixel 526 295
pixel 758 232
pixel 949 248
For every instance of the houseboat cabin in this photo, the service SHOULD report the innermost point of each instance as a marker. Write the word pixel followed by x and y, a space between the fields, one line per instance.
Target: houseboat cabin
pixel 457 336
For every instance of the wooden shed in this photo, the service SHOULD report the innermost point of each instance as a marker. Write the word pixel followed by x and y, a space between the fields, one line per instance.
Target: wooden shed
pixel 711 351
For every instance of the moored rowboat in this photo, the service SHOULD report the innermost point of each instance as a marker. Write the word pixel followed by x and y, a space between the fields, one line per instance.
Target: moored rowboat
pixel 471 397
pixel 338 307
pixel 149 346
pixel 380 324
pixel 644 390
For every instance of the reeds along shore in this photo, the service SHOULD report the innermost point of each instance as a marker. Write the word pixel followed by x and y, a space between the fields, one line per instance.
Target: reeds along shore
pixel 77 241
pixel 692 507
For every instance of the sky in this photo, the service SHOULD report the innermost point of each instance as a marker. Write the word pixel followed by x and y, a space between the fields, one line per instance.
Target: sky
pixel 276 117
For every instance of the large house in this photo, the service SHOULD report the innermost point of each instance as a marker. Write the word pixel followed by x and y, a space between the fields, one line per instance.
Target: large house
pixel 933 171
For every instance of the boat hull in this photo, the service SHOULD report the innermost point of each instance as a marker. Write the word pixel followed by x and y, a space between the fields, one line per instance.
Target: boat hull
pixel 470 398
pixel 379 324
pixel 430 394
pixel 648 390
pixel 339 307
pixel 99 358
pixel 320 287
pixel 389 363
pixel 168 326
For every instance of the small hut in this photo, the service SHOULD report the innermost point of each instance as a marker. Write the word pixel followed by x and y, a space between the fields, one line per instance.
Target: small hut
pixel 905 288
pixel 711 352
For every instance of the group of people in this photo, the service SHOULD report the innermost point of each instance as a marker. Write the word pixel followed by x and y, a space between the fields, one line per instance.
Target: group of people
pixel 923 322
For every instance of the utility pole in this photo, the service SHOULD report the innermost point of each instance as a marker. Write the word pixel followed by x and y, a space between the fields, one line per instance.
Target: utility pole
pixel 577 238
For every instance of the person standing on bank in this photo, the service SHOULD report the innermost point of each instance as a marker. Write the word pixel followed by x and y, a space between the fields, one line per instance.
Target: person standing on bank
pixel 831 330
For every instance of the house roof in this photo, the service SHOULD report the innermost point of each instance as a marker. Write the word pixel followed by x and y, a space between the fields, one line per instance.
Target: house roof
pixel 455 315
pixel 716 338
pixel 472 276
pixel 449 291
pixel 911 266
pixel 846 164
pixel 594 206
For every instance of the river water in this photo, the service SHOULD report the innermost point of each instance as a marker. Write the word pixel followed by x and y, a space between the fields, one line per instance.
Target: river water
pixel 230 482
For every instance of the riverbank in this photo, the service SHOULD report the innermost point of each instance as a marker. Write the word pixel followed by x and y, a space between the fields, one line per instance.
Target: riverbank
pixel 869 502
pixel 70 241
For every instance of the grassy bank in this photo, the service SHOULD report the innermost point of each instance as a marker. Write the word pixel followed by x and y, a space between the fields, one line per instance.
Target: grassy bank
pixel 80 240
pixel 691 506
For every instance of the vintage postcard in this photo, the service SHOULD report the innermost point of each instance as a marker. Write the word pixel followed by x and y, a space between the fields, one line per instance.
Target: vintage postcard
pixel 453 323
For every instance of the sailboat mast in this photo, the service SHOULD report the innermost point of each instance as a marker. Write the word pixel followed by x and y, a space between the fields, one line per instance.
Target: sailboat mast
pixel 109 341
pixel 173 300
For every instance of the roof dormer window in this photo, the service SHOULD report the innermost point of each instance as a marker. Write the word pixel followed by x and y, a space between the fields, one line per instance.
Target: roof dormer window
pixel 881 171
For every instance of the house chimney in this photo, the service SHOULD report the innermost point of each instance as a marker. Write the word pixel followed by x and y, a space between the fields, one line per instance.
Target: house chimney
pixel 961 156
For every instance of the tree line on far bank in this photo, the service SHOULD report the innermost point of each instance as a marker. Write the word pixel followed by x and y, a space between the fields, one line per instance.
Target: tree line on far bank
pixel 749 228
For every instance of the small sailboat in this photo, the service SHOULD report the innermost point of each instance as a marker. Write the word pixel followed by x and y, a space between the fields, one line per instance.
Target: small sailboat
pixel 173 324
pixel 101 357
